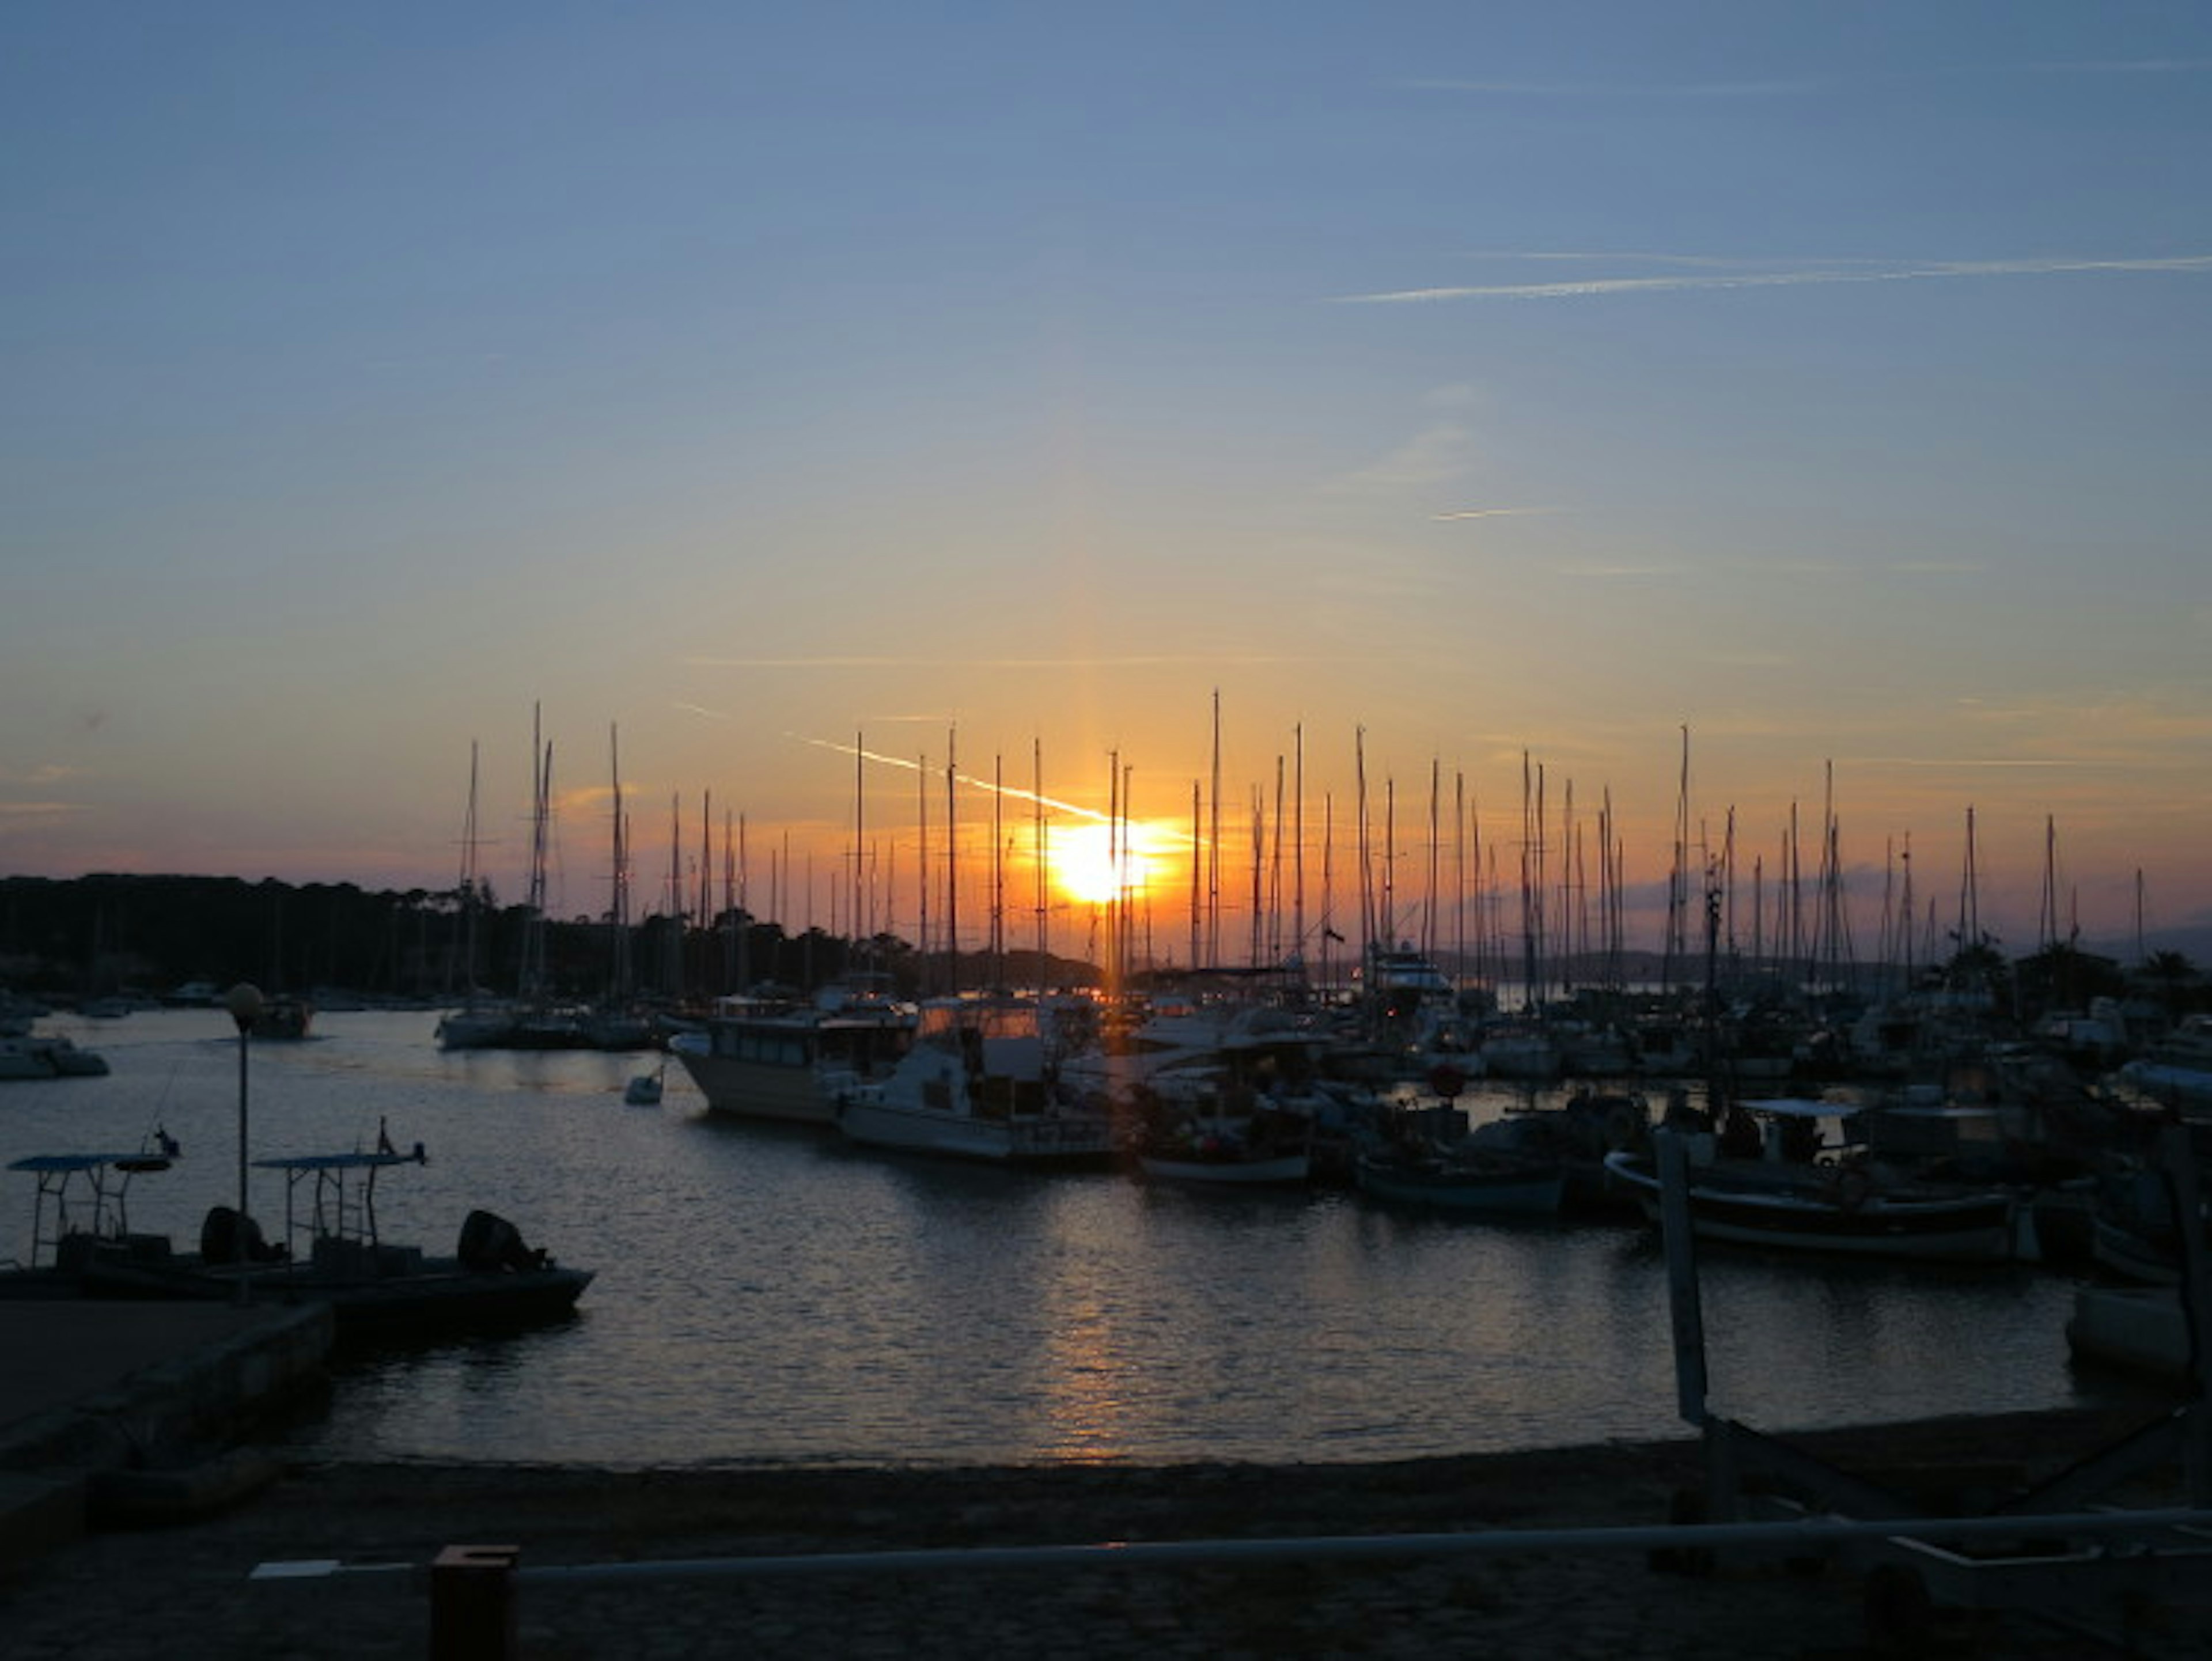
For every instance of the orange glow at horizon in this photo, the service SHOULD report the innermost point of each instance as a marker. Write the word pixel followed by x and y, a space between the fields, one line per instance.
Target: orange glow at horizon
pixel 1092 866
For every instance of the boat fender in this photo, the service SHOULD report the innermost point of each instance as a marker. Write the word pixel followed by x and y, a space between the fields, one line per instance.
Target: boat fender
pixel 1446 1081
pixel 1853 1185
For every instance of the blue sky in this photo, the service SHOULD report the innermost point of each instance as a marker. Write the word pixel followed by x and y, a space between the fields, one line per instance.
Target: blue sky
pixel 1831 382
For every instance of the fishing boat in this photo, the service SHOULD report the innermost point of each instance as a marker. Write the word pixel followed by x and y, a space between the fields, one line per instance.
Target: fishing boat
pixel 1778 1185
pixel 1253 1144
pixel 332 1252
pixel 978 1084
pixel 773 1055
pixel 1472 1181
pixel 1577 1134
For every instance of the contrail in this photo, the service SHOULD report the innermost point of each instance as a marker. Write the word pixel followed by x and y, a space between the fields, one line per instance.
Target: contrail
pixel 1827 275
pixel 989 786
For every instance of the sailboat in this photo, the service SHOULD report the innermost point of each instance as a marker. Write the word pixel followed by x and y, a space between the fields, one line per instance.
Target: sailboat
pixel 474 1025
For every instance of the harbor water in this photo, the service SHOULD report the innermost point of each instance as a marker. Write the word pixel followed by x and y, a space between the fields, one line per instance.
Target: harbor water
pixel 766 1295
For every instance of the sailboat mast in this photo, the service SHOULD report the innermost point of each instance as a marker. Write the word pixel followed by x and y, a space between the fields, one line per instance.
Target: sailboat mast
pixel 1213 847
pixel 952 866
pixel 923 870
pixel 1299 841
pixel 1037 798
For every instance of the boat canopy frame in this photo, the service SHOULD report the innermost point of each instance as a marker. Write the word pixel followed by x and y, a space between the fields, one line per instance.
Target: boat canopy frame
pixel 96 1185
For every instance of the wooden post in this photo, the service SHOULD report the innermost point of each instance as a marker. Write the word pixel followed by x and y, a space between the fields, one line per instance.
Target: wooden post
pixel 1683 1303
pixel 472 1603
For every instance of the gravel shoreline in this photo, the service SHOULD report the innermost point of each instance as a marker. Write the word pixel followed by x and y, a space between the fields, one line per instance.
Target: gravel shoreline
pixel 183 1589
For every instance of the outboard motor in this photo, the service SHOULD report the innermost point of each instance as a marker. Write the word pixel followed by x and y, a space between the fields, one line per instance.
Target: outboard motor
pixel 219 1239
pixel 490 1242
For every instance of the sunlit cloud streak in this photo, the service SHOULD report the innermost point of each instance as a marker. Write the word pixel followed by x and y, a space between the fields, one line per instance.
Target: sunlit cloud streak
pixel 1490 512
pixel 1806 277
pixel 1148 662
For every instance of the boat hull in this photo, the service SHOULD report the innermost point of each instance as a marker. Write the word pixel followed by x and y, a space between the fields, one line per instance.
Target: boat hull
pixel 793 1093
pixel 1044 1140
pixel 1277 1170
pixel 1972 1228
pixel 1535 1193
pixel 438 1299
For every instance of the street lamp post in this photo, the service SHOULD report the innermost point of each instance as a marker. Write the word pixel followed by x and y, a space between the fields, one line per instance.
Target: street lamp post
pixel 244 1003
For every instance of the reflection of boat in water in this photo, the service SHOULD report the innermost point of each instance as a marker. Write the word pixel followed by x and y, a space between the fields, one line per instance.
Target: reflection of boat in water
pixel 779 1056
pixel 378 1292
pixel 1779 1191
pixel 977 1085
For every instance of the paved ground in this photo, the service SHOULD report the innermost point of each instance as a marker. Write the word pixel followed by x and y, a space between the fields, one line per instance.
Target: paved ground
pixel 183 1590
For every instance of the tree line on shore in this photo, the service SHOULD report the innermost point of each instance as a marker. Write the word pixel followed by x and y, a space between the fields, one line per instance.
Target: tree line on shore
pixel 100 935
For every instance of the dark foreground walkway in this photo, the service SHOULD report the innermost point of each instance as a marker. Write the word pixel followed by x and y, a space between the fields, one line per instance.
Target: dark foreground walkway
pixel 186 1590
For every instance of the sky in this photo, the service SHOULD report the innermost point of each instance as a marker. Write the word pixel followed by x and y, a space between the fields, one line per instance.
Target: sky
pixel 1810 403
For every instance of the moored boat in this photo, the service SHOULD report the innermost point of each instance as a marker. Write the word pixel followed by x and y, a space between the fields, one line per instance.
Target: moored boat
pixel 775 1056
pixel 332 1253
pixel 977 1083
pixel 1472 1181
pixel 1786 1197
pixel 48 1055
pixel 283 1016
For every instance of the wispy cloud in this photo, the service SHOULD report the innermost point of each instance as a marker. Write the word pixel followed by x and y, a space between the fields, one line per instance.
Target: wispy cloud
pixel 1963 763
pixel 1490 512
pixel 1805 277
pixel 2112 66
pixel 1616 572
pixel 51 772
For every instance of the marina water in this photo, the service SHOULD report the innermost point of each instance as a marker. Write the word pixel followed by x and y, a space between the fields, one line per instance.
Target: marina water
pixel 766 1295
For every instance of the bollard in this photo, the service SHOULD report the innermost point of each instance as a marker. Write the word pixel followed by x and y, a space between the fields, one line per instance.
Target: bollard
pixel 472 1603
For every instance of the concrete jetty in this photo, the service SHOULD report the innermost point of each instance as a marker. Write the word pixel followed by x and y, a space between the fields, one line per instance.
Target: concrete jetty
pixel 135 1403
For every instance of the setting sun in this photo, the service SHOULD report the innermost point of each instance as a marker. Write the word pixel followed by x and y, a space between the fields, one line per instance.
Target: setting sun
pixel 1091 869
